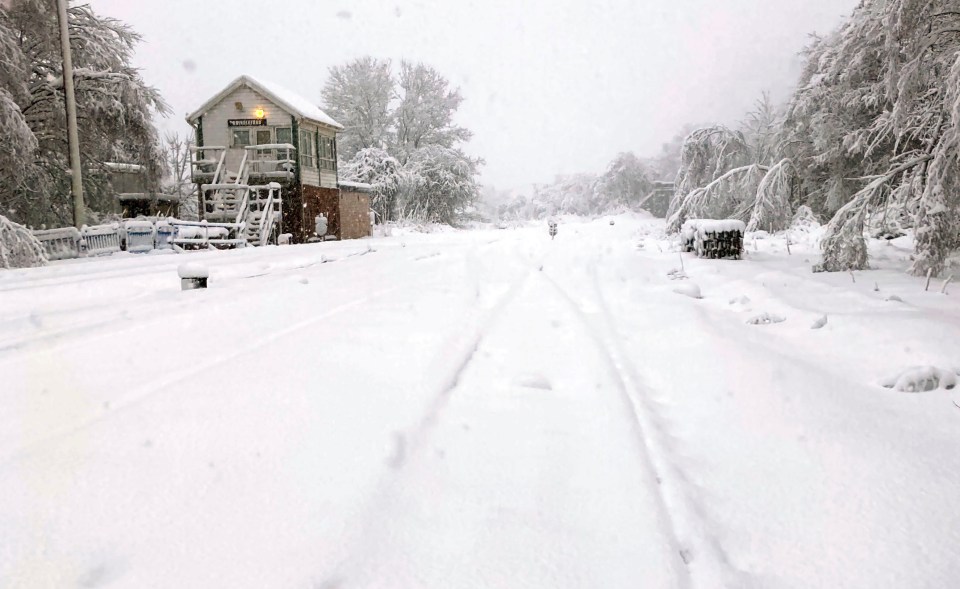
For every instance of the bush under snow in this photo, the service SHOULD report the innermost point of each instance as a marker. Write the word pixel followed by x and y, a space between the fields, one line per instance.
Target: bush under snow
pixel 18 246
pixel 921 378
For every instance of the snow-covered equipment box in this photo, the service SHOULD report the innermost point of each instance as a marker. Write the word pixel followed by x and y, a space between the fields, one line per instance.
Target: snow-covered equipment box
pixel 141 235
pixel 193 275
pixel 713 238
pixel 165 235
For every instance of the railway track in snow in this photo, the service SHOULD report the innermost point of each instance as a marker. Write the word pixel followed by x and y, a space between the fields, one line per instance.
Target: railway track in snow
pixel 703 557
pixel 697 563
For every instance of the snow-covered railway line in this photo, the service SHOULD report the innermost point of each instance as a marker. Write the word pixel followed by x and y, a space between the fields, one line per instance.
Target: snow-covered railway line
pixel 583 467
pixel 708 565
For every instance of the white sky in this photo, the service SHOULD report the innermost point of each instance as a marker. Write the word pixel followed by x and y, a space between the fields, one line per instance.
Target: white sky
pixel 551 86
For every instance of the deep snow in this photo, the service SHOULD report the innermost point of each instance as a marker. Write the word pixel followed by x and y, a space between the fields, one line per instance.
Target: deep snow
pixel 478 409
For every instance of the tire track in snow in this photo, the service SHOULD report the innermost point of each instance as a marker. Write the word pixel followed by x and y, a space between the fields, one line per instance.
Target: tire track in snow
pixel 454 364
pixel 706 562
pixel 444 381
pixel 389 492
pixel 409 442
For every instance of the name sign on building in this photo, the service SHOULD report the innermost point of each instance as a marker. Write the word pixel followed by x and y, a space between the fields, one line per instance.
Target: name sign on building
pixel 246 122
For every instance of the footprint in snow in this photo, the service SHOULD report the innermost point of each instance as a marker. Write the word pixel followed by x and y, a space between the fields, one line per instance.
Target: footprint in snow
pixel 398 451
pixel 534 381
pixel 766 319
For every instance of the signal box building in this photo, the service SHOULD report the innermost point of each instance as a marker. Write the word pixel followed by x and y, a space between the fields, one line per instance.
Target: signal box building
pixel 255 132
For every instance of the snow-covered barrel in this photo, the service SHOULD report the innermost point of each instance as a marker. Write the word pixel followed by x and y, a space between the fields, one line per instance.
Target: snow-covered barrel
pixel 193 276
pixel 714 238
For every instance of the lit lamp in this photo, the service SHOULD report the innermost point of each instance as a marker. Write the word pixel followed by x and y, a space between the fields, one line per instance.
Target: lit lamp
pixel 258 113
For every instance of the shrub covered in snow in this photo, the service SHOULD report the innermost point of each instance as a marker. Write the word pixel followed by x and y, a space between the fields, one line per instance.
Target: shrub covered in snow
pixel 18 246
pixel 921 378
pixel 384 174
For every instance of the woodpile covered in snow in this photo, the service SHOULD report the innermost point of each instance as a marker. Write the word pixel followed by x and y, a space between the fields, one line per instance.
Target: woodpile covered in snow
pixel 713 238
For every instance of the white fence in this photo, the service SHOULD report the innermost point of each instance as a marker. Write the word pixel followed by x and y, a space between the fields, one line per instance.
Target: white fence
pixel 100 240
pixel 60 244
pixel 66 243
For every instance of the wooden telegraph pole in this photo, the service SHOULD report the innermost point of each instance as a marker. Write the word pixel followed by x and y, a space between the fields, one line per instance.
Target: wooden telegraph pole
pixel 76 180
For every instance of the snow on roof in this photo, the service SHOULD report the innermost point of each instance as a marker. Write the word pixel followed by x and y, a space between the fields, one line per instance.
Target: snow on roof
pixel 122 167
pixel 289 100
pixel 361 186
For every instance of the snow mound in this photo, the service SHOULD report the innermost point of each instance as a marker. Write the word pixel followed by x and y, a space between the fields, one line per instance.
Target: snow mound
pixel 689 289
pixel 918 379
pixel 894 298
pixel 534 381
pixel 766 319
pixel 819 323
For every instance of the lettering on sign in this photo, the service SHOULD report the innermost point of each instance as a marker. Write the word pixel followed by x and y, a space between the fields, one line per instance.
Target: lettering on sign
pixel 246 122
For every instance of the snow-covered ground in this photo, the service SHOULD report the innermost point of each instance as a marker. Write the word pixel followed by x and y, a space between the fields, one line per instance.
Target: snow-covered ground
pixel 478 409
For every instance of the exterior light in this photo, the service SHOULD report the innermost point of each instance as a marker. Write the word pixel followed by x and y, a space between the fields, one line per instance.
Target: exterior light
pixel 258 113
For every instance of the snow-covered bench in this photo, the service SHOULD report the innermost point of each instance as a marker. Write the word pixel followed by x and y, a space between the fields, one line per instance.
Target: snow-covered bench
pixel 712 238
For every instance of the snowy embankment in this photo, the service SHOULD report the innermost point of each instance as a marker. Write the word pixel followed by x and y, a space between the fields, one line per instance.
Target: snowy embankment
pixel 486 408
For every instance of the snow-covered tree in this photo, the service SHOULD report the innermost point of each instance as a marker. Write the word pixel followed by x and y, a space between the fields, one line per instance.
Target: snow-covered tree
pixel 624 184
pixel 115 109
pixel 761 129
pixel 736 174
pixel 358 95
pixel 425 114
pixel 383 173
pixel 571 194
pixel 439 184
pixel 665 166
pixel 178 181
pixel 401 139
pixel 874 127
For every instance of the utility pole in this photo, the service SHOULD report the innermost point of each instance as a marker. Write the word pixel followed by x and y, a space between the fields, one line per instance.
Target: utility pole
pixel 76 180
